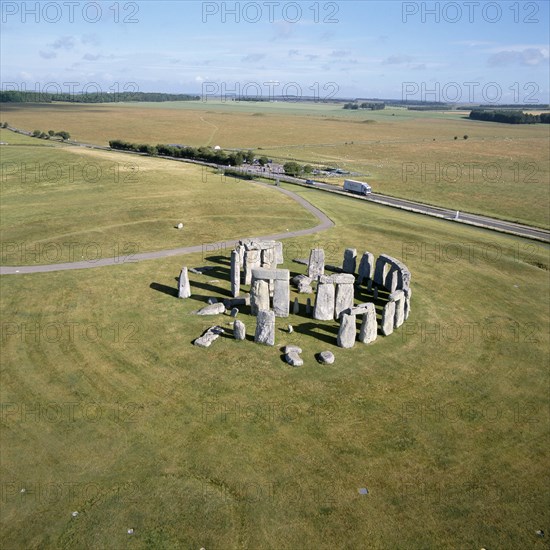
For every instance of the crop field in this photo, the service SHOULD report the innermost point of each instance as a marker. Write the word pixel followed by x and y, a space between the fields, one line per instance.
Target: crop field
pixel 110 412
pixel 501 170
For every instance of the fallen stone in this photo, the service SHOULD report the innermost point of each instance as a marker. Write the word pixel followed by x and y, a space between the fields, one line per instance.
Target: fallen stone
pixel 290 329
pixel 265 328
pixel 212 300
pixel 239 330
pixel 212 334
pixel 211 309
pixel 201 270
pixel 326 358
pixel 230 303
pixel 292 356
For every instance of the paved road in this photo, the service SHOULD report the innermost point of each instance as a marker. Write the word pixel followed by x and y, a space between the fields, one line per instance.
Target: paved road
pixel 325 223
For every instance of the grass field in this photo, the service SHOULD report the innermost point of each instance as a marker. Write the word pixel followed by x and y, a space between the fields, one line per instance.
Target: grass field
pixel 500 170
pixel 108 410
pixel 62 204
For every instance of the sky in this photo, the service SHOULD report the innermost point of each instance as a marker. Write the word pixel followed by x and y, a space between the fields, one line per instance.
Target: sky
pixel 465 51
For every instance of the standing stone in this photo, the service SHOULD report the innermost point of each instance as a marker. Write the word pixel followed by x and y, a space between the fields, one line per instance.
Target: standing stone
pixel 308 306
pixel 296 307
pixel 265 328
pixel 392 279
pixel 369 327
pixel 281 298
pixel 366 268
pixel 399 318
pixel 324 300
pixel 369 285
pixel 234 312
pixel 252 260
pixel 347 332
pixel 379 270
pixel 408 293
pixel 268 258
pixel 350 258
pixel 259 296
pixel 279 259
pixel 184 288
pixel 316 264
pixel 235 274
pixel 344 299
pixel 388 316
pixel 239 330
pixel 375 293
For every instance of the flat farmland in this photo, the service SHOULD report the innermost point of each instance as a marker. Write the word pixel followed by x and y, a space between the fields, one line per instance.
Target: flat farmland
pixel 501 170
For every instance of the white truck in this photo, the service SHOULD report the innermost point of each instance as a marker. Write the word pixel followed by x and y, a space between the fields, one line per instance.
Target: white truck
pixel 357 187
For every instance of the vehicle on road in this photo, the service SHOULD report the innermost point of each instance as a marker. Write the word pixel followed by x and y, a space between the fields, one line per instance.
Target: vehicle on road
pixel 311 182
pixel 358 187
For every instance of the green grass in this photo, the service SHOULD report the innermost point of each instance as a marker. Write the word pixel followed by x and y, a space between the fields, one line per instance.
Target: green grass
pixel 63 204
pixel 501 170
pixel 231 448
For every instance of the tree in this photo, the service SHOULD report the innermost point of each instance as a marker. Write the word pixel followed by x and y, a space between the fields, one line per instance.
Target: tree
pixel 36 133
pixel 263 161
pixel 51 133
pixel 5 125
pixel 308 169
pixel 465 137
pixel 249 157
pixel 43 135
pixel 292 169
pixel 63 135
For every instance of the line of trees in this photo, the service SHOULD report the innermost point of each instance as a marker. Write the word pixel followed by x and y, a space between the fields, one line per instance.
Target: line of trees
pixel 205 154
pixel 51 133
pixel 96 97
pixel 296 170
pixel 509 117
pixel 365 105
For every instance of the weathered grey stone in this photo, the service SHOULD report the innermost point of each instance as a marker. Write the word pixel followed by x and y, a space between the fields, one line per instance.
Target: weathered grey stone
pixel 184 288
pixel 326 357
pixel 308 306
pixel 201 270
pixel 212 309
pixel 279 259
pixel 347 332
pixel 212 300
pixel 369 285
pixel 359 309
pixel 366 268
pixel 375 293
pixel 252 260
pixel 212 334
pixel 342 278
pixel 296 307
pixel 303 283
pixel 408 294
pixel 281 298
pixel 388 315
pixel 396 295
pixel 399 317
pixel 235 273
pixel 369 328
pixel 392 280
pixel 293 358
pixel 350 259
pixel 316 264
pixel 239 330
pixel 265 328
pixel 324 301
pixel 234 312
pixel 259 296
pixel 271 274
pixel 381 272
pixel 291 348
pixel 344 299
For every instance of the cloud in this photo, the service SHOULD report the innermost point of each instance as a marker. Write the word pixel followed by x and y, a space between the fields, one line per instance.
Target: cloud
pixel 91 57
pixel 293 53
pixel 339 53
pixel 90 39
pixel 397 60
pixel 63 43
pixel 47 55
pixel 529 57
pixel 419 67
pixel 253 57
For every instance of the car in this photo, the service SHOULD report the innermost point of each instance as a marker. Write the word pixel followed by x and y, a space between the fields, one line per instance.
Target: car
pixel 311 182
